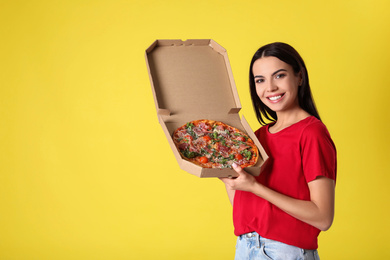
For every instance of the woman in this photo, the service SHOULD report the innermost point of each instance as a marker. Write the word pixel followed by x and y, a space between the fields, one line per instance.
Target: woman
pixel 280 213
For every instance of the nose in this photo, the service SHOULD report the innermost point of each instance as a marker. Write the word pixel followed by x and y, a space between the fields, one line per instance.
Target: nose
pixel 271 86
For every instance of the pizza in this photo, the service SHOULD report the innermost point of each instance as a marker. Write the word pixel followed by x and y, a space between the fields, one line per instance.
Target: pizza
pixel 213 144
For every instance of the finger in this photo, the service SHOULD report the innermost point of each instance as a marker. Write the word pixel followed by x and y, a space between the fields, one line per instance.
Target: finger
pixel 237 168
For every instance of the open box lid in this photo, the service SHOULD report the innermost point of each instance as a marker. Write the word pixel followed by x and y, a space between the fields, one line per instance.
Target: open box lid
pixel 191 77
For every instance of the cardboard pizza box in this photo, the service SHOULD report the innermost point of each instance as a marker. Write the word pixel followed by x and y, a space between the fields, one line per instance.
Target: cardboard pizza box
pixel 193 80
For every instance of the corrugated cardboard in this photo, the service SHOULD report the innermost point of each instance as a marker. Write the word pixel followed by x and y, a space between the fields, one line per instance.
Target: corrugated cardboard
pixel 193 80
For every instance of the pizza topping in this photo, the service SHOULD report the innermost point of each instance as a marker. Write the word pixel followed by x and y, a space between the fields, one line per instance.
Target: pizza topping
pixel 222 148
pixel 189 154
pixel 238 156
pixel 207 138
pixel 183 146
pixel 198 131
pixel 203 159
pixel 247 154
pixel 241 139
pixel 242 147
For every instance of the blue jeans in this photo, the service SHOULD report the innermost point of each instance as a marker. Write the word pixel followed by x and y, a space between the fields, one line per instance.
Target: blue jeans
pixel 252 246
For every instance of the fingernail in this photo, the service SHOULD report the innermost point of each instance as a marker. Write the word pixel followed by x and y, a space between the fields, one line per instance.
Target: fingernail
pixel 234 165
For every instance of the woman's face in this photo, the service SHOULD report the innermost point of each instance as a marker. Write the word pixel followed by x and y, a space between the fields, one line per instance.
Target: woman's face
pixel 276 84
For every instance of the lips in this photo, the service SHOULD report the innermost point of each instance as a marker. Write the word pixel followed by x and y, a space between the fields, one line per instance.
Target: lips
pixel 275 98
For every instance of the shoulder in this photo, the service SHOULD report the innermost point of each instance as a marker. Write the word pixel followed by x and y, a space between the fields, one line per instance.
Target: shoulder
pixel 314 127
pixel 315 131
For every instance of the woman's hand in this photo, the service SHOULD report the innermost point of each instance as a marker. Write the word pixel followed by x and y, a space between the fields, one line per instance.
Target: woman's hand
pixel 244 181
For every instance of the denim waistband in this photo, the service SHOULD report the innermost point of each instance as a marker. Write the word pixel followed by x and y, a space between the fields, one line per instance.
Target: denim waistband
pixel 254 239
pixel 249 235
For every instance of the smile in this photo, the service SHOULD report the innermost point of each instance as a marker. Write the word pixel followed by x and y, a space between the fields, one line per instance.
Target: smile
pixel 275 98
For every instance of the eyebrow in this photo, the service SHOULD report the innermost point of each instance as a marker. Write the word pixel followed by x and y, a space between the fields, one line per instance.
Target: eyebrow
pixel 260 76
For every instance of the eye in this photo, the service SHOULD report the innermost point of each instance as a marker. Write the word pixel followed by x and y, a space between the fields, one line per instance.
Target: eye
pixel 259 80
pixel 281 75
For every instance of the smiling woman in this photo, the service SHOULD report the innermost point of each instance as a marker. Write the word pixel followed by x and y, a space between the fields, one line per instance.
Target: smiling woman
pixel 283 210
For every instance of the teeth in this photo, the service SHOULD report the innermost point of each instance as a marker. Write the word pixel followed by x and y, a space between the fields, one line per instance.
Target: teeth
pixel 275 97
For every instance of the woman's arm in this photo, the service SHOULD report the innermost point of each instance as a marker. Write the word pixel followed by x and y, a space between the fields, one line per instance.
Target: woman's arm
pixel 318 211
pixel 230 192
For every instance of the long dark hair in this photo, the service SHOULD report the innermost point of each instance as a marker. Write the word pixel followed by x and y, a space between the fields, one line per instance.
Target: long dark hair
pixel 289 55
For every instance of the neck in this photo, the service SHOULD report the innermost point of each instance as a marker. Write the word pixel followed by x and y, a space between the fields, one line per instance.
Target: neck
pixel 286 119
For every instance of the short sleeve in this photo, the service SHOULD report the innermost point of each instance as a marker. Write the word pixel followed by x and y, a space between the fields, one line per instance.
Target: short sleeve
pixel 318 152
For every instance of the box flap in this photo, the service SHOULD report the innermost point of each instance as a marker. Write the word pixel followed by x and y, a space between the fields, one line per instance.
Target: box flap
pixel 191 77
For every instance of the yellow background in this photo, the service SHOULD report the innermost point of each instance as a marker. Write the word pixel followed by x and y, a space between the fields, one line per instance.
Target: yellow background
pixel 86 171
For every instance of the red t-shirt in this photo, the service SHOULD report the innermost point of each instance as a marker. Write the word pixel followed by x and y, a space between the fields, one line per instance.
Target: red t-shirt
pixel 297 155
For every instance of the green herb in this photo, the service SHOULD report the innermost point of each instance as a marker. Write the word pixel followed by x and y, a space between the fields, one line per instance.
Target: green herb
pixel 191 131
pixel 190 125
pixel 189 154
pixel 247 154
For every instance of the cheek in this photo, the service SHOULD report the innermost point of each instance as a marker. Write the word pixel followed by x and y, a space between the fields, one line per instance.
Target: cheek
pixel 260 94
pixel 295 88
pixel 259 91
